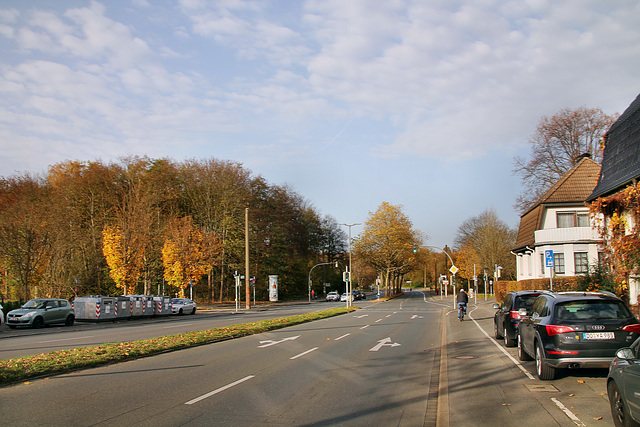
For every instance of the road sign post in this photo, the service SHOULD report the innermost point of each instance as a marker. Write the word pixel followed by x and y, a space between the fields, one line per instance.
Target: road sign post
pixel 548 259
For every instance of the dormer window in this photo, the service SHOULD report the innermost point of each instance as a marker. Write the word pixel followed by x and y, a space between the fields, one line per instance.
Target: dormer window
pixel 572 219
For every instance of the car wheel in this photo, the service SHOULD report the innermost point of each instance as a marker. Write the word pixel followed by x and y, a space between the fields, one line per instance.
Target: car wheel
pixel 496 334
pixel 522 355
pixel 11 326
pixel 70 319
pixel 180 312
pixel 544 371
pixel 37 323
pixel 619 408
pixel 193 311
pixel 508 342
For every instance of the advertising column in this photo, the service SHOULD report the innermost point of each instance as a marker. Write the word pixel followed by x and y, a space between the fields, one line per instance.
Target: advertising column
pixel 273 288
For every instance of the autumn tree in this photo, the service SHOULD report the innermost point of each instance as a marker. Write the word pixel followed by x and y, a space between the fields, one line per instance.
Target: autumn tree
pixel 490 239
pixel 83 202
pixel 215 195
pixel 25 238
pixel 387 242
pixel 467 261
pixel 125 257
pixel 188 253
pixel 556 146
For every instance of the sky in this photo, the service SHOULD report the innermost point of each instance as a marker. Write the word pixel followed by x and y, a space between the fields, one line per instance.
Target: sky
pixel 351 103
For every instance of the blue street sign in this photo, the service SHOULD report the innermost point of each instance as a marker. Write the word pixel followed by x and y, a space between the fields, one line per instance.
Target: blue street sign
pixel 548 258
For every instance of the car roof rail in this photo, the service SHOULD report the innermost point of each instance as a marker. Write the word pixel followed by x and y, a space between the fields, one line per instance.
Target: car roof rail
pixel 594 293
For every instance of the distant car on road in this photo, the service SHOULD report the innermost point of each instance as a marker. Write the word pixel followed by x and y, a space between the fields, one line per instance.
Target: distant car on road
pixel 506 319
pixel 333 296
pixel 344 297
pixel 1 315
pixel 623 383
pixel 575 330
pixel 42 311
pixel 183 306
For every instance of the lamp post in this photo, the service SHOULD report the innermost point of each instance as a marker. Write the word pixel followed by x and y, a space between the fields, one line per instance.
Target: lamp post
pixel 453 268
pixel 349 291
pixel 322 263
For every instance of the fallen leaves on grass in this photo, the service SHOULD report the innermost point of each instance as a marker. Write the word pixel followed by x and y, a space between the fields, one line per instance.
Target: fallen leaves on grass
pixel 14 370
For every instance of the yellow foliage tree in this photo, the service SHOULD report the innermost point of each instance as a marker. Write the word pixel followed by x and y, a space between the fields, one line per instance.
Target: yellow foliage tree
pixel 125 257
pixel 188 253
pixel 387 243
pixel 466 258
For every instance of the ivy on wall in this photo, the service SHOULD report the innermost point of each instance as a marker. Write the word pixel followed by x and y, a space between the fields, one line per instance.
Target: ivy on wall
pixel 617 219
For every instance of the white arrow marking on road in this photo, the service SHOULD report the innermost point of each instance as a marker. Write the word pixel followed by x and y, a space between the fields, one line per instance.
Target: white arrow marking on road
pixel 415 316
pixel 384 342
pixel 360 317
pixel 269 343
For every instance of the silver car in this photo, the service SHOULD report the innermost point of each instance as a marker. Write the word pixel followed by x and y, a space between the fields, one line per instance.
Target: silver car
pixel 182 306
pixel 42 311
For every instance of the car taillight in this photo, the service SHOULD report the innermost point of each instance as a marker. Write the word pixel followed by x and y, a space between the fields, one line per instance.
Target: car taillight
pixel 558 329
pixel 515 315
pixel 561 352
pixel 632 328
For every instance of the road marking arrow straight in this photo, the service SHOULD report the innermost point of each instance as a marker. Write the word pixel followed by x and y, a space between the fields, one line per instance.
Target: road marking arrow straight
pixel 268 343
pixel 384 342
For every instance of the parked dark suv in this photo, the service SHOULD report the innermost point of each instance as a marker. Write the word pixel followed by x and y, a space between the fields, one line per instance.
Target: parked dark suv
pixel 506 319
pixel 575 330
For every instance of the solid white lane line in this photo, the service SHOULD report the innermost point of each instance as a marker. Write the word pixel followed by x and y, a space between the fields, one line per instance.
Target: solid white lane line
pixel 216 391
pixel 568 413
pixel 66 339
pixel 345 335
pixel 302 354
pixel 506 353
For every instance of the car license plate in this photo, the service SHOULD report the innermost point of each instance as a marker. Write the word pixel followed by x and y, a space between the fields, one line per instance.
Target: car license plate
pixel 598 336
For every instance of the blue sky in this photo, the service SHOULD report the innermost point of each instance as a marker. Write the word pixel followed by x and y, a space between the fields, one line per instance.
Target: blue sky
pixel 351 102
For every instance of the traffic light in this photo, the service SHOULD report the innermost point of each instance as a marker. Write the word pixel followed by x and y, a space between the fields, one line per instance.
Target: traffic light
pixel 345 276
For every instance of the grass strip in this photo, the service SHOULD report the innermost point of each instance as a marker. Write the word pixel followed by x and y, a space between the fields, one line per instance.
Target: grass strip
pixel 58 362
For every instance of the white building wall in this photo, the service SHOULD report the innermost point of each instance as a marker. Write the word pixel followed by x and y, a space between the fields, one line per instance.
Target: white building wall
pixel 561 240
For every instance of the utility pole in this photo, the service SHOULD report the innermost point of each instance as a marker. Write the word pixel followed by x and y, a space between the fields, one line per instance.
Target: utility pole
pixel 349 286
pixel 246 260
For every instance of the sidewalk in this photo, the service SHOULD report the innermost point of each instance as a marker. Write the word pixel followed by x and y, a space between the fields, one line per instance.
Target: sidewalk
pixel 485 386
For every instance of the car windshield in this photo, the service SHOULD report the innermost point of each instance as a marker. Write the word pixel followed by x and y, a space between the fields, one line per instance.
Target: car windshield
pixel 525 301
pixel 34 303
pixel 592 310
pixel 177 301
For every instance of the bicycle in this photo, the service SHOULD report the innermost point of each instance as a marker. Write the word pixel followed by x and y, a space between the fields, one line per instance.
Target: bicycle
pixel 462 309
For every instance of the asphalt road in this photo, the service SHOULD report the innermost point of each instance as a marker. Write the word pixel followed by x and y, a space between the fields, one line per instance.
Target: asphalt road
pixel 371 367
pixel 407 362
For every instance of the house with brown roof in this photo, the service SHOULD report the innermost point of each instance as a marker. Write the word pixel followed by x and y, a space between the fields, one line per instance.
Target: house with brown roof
pixel 560 221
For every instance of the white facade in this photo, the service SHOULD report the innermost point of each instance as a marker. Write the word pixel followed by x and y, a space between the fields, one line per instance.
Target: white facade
pixel 570 234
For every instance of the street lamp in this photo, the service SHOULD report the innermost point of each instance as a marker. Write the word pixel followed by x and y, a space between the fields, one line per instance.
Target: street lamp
pixel 453 268
pixel 349 292
pixel 322 263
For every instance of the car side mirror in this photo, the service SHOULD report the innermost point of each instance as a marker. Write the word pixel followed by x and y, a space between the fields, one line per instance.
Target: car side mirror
pixel 625 354
pixel 523 312
pixel 496 306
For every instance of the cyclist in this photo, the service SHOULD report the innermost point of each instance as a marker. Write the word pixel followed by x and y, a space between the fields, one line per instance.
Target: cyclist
pixel 462 300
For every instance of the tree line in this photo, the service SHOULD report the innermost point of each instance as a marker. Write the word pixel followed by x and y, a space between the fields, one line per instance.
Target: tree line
pixel 143 225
